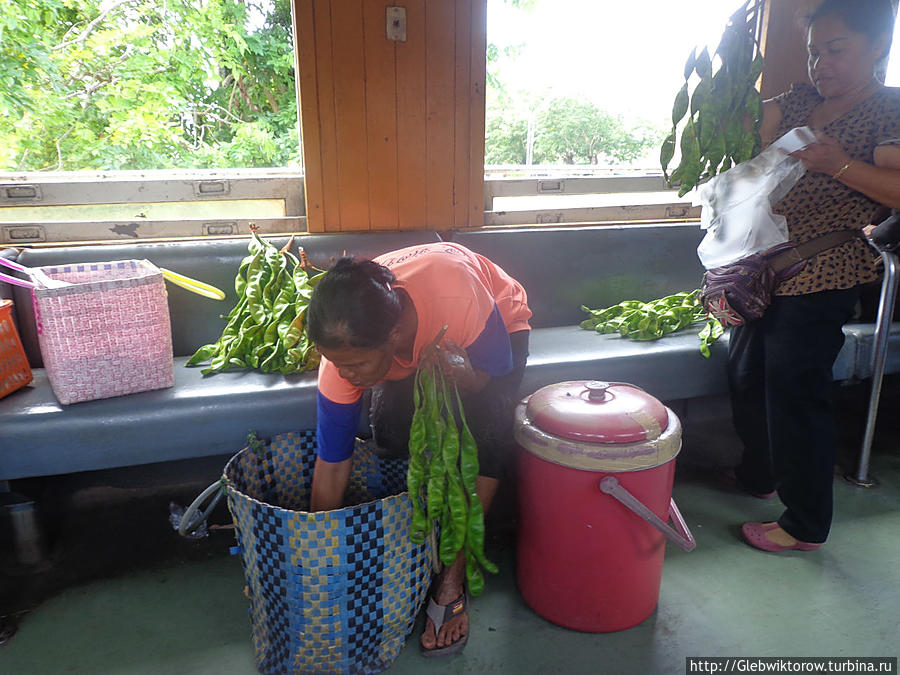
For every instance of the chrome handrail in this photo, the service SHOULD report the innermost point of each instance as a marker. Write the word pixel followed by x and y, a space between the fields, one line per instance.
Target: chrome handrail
pixel 879 357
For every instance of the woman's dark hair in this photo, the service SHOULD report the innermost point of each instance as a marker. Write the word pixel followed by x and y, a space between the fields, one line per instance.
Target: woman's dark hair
pixel 353 306
pixel 872 18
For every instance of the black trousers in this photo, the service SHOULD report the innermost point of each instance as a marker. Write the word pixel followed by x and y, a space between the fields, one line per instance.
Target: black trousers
pixel 779 372
pixel 489 413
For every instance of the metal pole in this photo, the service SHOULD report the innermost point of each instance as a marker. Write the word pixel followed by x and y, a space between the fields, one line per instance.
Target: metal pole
pixel 879 356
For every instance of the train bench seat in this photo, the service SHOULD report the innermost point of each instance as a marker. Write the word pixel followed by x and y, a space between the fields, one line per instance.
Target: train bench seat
pixel 565 268
pixel 561 268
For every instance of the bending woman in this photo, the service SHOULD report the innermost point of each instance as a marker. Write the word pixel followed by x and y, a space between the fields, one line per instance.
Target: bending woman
pixel 780 366
pixel 373 322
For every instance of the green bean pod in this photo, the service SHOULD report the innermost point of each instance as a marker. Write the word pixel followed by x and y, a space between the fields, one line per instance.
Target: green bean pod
pixel 415 474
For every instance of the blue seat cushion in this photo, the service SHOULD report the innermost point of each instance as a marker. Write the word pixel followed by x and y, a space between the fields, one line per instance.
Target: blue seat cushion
pixel 202 416
pixel 198 417
pixel 670 368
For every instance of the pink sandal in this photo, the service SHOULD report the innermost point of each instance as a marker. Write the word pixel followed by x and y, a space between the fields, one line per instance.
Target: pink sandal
pixel 755 535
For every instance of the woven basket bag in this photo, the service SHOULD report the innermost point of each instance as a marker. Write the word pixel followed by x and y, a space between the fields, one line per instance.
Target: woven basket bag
pixel 107 332
pixel 334 591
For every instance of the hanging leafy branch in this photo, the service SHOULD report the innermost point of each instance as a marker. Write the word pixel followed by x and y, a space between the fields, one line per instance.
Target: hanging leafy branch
pixel 720 119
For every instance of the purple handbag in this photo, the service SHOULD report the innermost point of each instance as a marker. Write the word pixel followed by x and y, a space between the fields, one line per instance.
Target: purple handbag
pixel 740 292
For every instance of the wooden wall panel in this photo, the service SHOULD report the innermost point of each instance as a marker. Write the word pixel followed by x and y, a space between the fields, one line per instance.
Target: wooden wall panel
pixel 477 85
pixel 323 98
pixel 784 45
pixel 412 150
pixel 440 110
pixel 462 81
pixel 393 130
pixel 381 119
pixel 310 130
pixel 348 58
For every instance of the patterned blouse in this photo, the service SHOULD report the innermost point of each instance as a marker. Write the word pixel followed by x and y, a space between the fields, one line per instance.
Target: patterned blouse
pixel 818 204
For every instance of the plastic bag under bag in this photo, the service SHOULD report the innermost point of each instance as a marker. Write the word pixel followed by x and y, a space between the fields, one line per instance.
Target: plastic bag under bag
pixel 737 205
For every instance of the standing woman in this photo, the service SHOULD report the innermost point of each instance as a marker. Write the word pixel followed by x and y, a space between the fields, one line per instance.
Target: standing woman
pixel 374 322
pixel 780 366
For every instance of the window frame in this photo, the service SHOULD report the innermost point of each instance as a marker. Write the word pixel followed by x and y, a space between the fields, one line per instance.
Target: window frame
pixel 163 186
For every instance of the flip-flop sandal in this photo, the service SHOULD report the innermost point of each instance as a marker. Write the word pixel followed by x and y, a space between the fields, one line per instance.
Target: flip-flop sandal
pixel 441 614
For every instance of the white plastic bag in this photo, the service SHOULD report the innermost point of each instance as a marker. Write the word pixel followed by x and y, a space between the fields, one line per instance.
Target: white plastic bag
pixel 737 205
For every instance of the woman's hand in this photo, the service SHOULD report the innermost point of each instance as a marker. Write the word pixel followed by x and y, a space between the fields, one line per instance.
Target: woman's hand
pixel 824 156
pixel 329 484
pixel 455 365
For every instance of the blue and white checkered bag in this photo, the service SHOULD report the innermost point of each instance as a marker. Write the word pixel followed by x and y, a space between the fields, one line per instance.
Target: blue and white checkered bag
pixel 334 591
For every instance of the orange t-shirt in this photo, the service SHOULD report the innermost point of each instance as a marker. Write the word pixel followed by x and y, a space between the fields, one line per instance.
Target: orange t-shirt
pixel 449 286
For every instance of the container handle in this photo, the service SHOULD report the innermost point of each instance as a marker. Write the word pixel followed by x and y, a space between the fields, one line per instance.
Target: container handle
pixel 193 285
pixel 189 522
pixel 680 536
pixel 13 265
pixel 15 281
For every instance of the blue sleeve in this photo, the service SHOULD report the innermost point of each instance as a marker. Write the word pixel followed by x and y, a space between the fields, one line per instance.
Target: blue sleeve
pixel 491 351
pixel 336 425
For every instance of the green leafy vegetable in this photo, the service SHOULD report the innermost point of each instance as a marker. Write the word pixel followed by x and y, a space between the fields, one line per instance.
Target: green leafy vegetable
pixel 651 320
pixel 715 113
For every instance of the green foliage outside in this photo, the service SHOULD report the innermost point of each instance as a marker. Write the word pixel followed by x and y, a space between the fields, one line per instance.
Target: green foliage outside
pixel 564 131
pixel 144 84
pixel 536 127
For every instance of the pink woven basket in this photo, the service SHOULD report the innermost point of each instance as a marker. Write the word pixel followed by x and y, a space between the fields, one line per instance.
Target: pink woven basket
pixel 107 333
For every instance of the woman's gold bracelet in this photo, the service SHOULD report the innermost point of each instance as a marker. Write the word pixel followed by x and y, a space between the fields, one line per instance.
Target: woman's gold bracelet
pixel 842 170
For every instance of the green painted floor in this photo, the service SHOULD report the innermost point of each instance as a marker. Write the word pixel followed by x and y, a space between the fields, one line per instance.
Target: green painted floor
pixel 186 614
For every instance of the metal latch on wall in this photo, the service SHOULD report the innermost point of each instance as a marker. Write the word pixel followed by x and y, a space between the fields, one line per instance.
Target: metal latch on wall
pixel 211 188
pixel 551 186
pixel 21 193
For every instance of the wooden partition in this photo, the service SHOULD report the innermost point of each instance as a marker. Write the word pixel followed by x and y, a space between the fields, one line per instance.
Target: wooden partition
pixel 784 44
pixel 393 129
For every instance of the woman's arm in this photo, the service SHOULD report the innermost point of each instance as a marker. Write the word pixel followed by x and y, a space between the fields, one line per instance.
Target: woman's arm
pixel 329 484
pixel 879 180
pixel 336 426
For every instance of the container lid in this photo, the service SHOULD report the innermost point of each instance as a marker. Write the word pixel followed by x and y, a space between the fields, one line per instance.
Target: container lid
pixel 597 426
pixel 597 412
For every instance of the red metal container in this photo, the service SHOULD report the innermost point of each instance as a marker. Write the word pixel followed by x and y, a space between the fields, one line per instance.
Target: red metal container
pixel 595 487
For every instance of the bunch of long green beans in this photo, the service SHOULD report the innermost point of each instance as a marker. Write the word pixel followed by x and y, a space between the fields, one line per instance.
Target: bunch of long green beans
pixel 266 328
pixel 443 467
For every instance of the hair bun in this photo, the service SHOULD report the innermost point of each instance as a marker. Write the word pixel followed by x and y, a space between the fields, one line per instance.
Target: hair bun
pixel 361 270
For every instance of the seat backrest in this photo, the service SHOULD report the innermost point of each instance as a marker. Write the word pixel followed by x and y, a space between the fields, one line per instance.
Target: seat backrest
pixel 565 268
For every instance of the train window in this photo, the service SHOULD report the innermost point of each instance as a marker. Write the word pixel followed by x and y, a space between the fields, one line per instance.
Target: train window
pixel 576 110
pixel 142 120
pixel 146 120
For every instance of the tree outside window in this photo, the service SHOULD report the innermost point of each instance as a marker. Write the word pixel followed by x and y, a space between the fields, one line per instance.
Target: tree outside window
pixel 143 84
